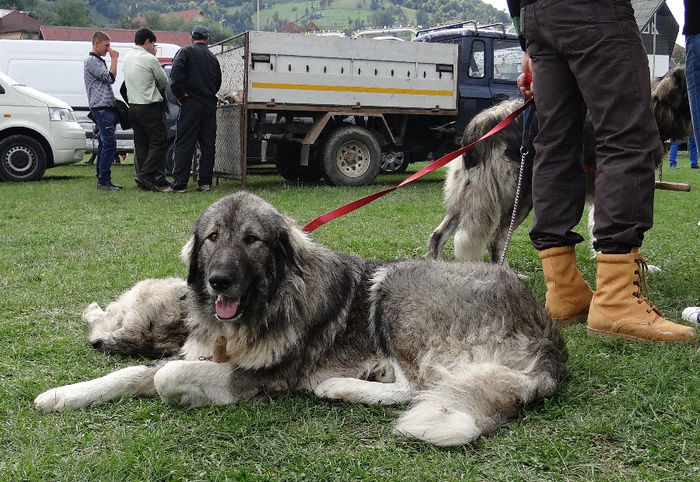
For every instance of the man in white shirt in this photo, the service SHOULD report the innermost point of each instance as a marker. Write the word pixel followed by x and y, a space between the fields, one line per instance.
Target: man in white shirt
pixel 145 83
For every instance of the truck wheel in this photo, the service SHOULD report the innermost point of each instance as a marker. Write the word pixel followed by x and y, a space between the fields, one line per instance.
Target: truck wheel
pixel 287 157
pixel 394 162
pixel 22 159
pixel 351 157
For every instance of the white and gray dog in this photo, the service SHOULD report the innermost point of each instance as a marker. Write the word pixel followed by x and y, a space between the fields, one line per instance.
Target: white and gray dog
pixel 480 186
pixel 267 311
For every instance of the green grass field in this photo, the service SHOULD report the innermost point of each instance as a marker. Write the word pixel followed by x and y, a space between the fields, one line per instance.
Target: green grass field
pixel 626 411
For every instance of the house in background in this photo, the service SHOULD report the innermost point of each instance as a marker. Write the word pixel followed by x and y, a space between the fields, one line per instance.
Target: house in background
pixel 659 31
pixel 116 34
pixel 16 24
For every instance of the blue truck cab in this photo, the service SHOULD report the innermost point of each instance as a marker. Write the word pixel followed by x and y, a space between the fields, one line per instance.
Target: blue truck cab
pixel 490 61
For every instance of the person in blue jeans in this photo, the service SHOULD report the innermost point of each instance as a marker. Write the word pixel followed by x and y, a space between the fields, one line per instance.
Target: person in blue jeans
pixel 98 85
pixel 691 30
pixel 692 152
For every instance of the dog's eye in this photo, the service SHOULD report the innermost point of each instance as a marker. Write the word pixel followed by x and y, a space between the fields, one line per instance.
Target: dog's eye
pixel 250 239
pixel 213 236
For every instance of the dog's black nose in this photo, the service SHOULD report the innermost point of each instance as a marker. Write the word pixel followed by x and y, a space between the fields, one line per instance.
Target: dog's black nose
pixel 97 344
pixel 220 280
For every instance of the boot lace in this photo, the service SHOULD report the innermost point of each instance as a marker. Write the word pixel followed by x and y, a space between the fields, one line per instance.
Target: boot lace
pixel 641 283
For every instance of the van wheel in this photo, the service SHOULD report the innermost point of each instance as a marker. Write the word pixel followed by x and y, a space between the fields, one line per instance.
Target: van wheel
pixel 22 159
pixel 351 157
pixel 394 162
pixel 287 157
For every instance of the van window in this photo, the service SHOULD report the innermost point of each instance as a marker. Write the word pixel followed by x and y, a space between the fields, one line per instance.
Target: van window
pixel 507 59
pixel 477 60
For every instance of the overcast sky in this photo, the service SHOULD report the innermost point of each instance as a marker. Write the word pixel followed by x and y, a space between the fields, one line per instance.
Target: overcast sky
pixel 676 7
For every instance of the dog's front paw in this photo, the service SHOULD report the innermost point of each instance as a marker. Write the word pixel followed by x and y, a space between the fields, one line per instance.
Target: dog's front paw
pixel 61 398
pixel 335 389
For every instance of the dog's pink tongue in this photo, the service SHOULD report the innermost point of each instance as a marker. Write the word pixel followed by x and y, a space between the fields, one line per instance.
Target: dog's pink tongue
pixel 226 307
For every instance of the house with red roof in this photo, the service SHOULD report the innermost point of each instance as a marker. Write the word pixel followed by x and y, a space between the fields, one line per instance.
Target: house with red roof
pixel 116 34
pixel 18 25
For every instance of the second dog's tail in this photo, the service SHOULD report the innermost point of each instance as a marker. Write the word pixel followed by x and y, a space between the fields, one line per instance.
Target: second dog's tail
pixel 469 402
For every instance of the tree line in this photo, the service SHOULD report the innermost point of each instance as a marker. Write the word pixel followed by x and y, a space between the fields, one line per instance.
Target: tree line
pixel 226 21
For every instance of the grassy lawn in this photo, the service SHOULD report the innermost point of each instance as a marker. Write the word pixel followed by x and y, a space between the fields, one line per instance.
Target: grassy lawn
pixel 626 411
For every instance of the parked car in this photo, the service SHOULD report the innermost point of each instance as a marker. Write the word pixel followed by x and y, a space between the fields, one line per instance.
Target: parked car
pixel 37 132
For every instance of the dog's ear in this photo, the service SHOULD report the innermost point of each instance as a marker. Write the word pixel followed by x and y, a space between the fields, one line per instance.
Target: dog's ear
pixel 186 252
pixel 190 256
pixel 286 253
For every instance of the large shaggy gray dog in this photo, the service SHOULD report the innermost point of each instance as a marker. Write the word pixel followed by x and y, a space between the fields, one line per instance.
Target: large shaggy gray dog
pixel 480 186
pixel 271 312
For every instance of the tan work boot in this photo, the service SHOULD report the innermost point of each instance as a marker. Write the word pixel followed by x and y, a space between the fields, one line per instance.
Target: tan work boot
pixel 620 309
pixel 568 295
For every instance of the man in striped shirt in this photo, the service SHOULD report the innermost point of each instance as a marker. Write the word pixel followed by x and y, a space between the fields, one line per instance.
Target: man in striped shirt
pixel 98 84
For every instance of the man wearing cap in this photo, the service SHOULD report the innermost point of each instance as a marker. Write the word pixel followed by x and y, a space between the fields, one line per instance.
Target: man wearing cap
pixel 145 82
pixel 196 78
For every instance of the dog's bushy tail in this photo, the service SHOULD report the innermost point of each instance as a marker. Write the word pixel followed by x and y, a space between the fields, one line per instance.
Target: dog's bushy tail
pixel 471 401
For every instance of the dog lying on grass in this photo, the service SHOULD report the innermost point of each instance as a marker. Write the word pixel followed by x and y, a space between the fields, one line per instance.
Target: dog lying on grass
pixel 466 345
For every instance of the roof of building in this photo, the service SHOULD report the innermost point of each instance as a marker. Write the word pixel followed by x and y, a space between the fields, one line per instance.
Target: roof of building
pixel 311 27
pixel 16 21
pixel 291 27
pixel 117 35
pixel 657 24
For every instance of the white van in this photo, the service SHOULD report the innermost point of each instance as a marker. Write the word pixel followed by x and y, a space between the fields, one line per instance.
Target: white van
pixel 56 67
pixel 37 131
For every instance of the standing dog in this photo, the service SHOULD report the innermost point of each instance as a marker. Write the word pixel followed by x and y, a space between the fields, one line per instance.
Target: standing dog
pixel 466 344
pixel 480 187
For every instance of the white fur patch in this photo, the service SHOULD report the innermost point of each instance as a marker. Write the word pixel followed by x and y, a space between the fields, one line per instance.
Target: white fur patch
pixel 127 381
pixel 437 425
pixel 354 390
pixel 195 383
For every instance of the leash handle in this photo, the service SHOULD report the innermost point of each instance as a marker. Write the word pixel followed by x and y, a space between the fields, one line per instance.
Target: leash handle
pixel 358 203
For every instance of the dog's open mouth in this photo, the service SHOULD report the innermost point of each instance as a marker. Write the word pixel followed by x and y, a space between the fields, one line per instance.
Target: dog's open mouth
pixel 227 308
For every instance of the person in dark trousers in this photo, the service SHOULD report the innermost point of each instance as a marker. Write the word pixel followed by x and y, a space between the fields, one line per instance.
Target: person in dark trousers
pixel 589 56
pixel 98 85
pixel 691 30
pixel 195 79
pixel 145 81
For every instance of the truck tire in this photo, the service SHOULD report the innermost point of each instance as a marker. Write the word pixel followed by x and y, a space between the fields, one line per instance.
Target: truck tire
pixel 394 162
pixel 287 157
pixel 22 159
pixel 351 157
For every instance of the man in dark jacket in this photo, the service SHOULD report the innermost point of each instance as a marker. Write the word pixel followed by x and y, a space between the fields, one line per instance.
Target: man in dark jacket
pixel 589 55
pixel 195 79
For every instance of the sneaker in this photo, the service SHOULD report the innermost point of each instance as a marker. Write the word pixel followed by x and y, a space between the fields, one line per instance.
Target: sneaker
pixel 171 190
pixel 695 167
pixel 204 188
pixel 674 166
pixel 109 187
pixel 162 182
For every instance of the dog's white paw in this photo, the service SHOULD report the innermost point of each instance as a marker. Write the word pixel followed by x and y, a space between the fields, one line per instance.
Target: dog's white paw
pixel 335 389
pixel 61 398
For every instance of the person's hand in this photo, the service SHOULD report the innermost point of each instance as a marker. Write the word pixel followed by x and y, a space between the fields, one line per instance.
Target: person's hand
pixel 179 101
pixel 113 54
pixel 525 84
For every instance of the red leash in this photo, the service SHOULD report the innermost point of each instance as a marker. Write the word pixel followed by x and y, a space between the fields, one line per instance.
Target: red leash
pixel 347 208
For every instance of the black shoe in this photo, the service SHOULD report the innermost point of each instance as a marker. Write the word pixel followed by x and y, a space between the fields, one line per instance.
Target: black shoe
pixel 109 187
pixel 162 182
pixel 695 167
pixel 145 185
